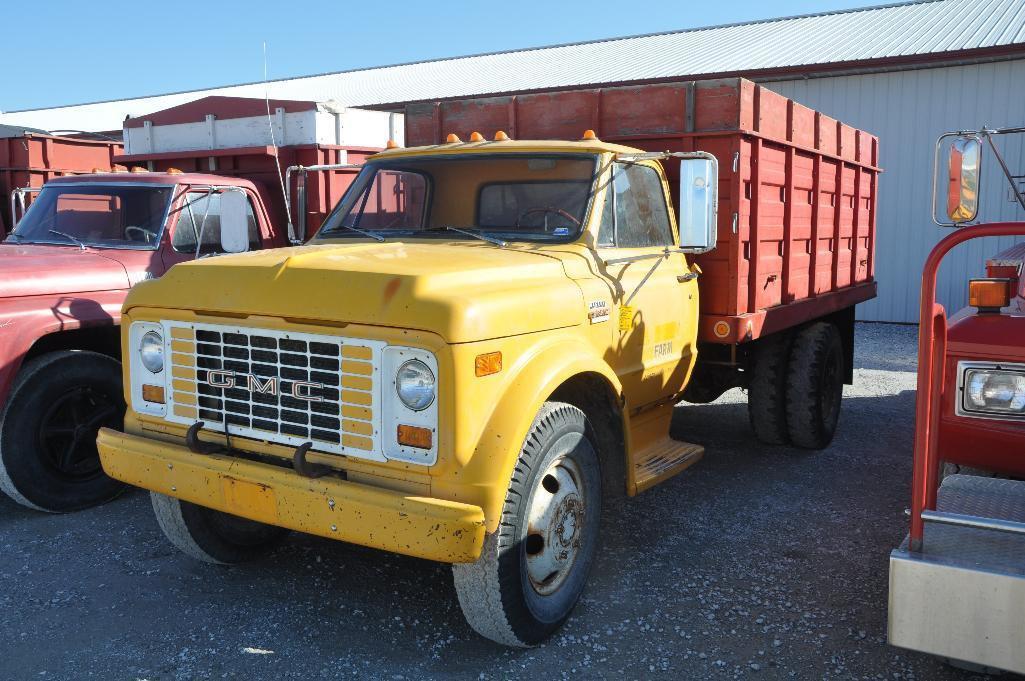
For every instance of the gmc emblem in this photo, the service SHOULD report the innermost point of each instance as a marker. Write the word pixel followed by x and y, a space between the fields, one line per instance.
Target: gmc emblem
pixel 301 390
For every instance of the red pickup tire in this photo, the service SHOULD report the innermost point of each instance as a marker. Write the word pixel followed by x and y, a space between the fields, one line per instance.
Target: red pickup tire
pixel 48 456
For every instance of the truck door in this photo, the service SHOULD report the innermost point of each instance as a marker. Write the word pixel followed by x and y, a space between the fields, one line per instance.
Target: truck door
pixel 188 226
pixel 654 302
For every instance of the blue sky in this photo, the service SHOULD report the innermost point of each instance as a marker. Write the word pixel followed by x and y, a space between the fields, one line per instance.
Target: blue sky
pixel 67 52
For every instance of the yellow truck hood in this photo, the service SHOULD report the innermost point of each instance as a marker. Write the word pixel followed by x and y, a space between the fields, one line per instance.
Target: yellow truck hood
pixel 463 291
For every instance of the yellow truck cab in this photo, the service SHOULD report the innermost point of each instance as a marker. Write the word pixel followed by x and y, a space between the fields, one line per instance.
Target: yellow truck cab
pixel 480 338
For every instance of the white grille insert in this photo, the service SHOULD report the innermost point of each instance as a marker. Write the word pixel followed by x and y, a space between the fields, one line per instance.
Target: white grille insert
pixel 281 387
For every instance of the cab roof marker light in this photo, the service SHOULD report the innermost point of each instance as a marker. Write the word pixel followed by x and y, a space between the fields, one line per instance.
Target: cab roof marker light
pixel 476 137
pixel 500 136
pixel 453 139
pixel 589 136
pixel 392 144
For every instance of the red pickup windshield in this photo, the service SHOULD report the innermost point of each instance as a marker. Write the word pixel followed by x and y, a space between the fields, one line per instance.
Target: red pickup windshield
pixel 98 215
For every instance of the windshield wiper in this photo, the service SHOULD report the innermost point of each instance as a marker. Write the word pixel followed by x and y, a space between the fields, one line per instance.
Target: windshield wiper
pixel 81 244
pixel 476 234
pixel 364 232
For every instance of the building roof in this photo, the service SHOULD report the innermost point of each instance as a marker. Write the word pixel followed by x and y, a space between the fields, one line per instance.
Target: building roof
pixel 882 37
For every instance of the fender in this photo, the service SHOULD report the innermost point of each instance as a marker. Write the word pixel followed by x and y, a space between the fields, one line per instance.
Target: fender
pixel 24 321
pixel 535 375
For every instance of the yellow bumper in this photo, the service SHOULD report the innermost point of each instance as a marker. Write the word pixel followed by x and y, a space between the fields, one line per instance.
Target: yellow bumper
pixel 435 529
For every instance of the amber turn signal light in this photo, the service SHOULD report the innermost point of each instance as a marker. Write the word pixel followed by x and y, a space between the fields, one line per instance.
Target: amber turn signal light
pixel 153 393
pixel 487 364
pixel 989 294
pixel 414 436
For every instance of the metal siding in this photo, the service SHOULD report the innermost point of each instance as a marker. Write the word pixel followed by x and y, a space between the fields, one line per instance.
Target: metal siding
pixel 908 110
pixel 917 28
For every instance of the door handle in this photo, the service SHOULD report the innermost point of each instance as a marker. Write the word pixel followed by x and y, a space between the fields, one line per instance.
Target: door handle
pixel 683 278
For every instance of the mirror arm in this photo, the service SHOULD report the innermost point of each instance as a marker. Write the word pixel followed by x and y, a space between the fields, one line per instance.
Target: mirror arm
pixel 1007 172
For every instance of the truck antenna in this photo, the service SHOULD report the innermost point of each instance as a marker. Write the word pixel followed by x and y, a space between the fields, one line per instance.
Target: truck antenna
pixel 273 141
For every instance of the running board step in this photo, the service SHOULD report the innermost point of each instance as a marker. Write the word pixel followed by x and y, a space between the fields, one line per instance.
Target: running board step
pixel 662 460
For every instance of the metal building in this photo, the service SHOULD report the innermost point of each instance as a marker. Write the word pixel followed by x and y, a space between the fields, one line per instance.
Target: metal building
pixel 906 72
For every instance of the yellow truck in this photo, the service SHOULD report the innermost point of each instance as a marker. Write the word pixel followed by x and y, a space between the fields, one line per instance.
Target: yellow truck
pixel 486 337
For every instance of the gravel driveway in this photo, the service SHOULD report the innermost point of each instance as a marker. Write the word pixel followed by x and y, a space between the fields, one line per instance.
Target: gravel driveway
pixel 758 562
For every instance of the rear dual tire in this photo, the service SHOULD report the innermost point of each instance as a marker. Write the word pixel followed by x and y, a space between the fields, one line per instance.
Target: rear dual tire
pixel 796 387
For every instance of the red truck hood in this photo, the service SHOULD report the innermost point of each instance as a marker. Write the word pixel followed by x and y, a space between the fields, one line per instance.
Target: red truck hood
pixel 43 270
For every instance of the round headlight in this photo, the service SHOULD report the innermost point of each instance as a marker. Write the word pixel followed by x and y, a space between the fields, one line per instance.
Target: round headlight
pixel 414 382
pixel 151 351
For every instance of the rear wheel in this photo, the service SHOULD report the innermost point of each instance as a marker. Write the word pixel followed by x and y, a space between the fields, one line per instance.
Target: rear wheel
pixel 814 388
pixel 766 390
pixel 532 571
pixel 213 536
pixel 48 455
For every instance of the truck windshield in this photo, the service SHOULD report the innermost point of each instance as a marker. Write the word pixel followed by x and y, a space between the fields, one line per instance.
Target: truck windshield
pixel 103 216
pixel 514 197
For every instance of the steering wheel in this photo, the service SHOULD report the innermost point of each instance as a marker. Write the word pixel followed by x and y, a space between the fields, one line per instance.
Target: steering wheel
pixel 147 235
pixel 546 210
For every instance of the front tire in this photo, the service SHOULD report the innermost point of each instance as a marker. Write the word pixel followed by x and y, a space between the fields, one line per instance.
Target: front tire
pixel 532 571
pixel 48 456
pixel 212 536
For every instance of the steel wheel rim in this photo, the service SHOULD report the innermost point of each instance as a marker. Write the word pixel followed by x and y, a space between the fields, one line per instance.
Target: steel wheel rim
pixel 555 526
pixel 67 432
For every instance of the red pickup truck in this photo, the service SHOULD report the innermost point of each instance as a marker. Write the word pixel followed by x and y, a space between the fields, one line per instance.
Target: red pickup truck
pixel 64 273
pixel 85 240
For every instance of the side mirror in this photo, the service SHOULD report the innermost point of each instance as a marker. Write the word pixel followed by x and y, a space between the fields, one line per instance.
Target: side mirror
pixel 234 222
pixel 963 179
pixel 698 216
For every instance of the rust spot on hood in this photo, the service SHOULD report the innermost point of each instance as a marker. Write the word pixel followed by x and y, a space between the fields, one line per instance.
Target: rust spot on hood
pixel 390 289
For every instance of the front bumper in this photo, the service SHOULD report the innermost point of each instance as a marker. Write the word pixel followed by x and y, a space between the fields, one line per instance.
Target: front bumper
pixel 435 529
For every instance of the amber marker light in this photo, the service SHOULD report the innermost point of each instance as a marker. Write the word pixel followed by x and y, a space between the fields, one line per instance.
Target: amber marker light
pixel 476 137
pixel 414 436
pixel 989 295
pixel 392 144
pixel 452 139
pixel 487 364
pixel 138 169
pixel 174 171
pixel 500 136
pixel 589 135
pixel 153 393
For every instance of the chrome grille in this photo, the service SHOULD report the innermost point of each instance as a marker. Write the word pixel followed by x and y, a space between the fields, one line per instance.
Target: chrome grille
pixel 287 388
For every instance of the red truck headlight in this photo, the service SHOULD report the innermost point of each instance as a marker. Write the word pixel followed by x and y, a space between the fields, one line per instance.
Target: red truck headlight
pixel 991 390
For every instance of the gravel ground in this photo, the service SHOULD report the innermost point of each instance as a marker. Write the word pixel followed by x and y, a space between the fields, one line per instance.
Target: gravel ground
pixel 758 562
